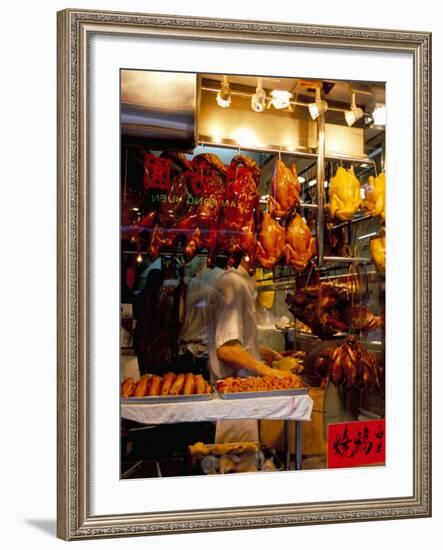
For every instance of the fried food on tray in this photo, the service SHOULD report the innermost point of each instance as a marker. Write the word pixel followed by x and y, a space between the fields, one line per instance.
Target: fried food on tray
pixel 259 383
pixel 142 386
pixel 177 386
pixel 188 385
pixel 128 387
pixel 170 384
pixel 199 384
pixel 154 387
pixel 168 380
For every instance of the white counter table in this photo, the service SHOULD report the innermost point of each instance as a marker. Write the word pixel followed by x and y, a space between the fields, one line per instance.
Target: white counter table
pixel 296 408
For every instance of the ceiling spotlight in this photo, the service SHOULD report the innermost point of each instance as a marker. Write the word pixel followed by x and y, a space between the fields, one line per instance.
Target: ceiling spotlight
pixel 319 107
pixel 354 114
pixel 379 114
pixel 312 183
pixel 139 258
pixel 301 179
pixel 223 97
pixel 258 100
pixel 281 99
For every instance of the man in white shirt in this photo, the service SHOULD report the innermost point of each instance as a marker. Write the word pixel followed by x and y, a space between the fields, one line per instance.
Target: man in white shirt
pixel 233 343
pixel 194 332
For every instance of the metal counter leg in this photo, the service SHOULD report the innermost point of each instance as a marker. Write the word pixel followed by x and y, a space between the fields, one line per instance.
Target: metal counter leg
pixel 298 445
pixel 287 447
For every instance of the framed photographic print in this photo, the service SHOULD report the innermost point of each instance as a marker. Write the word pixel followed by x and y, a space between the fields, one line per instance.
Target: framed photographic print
pixel 243 274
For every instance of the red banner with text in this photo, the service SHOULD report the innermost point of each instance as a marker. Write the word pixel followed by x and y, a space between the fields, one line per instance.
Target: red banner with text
pixel 356 443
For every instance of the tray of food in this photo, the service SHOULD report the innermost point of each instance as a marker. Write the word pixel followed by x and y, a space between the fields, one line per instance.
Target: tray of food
pixel 171 388
pixel 260 386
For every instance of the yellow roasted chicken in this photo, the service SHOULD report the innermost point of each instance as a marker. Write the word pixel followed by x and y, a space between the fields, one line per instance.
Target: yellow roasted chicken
pixel 344 195
pixel 271 242
pixel 375 196
pixel 377 247
pixel 300 244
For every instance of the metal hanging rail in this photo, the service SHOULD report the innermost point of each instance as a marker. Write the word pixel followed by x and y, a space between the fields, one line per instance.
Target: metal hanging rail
pixel 205 142
pixel 320 187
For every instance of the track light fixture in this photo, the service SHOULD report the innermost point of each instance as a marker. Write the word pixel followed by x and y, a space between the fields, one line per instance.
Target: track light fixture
pixel 223 97
pixel 258 100
pixel 280 99
pixel 354 114
pixel 319 106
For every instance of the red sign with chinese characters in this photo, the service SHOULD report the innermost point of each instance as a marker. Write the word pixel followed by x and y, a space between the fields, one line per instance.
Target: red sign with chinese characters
pixel 356 443
pixel 157 173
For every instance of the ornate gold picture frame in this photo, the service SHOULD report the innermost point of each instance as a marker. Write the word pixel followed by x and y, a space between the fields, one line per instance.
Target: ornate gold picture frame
pixel 75 29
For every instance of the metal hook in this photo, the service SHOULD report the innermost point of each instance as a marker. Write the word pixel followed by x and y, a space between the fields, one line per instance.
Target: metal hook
pixel 309 274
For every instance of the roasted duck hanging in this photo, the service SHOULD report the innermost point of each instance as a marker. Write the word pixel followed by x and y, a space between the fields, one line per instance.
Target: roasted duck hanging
pixel 300 244
pixel 271 242
pixel 193 217
pixel 344 195
pixel 240 213
pixel 171 205
pixel 164 176
pixel 328 308
pixel 202 217
pixel 350 364
pixel 375 195
pixel 285 190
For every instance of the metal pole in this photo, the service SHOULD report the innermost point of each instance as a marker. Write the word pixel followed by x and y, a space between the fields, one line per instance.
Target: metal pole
pixel 320 186
pixel 298 443
pixel 287 447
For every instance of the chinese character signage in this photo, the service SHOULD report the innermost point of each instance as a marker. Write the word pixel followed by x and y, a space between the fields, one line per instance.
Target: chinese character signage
pixel 356 443
pixel 157 173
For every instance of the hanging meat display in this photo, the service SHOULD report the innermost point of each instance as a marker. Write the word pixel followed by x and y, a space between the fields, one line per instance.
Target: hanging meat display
pixel 377 247
pixel 240 213
pixel 206 198
pixel 335 240
pixel 300 244
pixel 271 242
pixel 195 201
pixel 163 174
pixel 167 181
pixel 375 196
pixel 285 190
pixel 328 308
pixel 344 195
pixel 350 364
